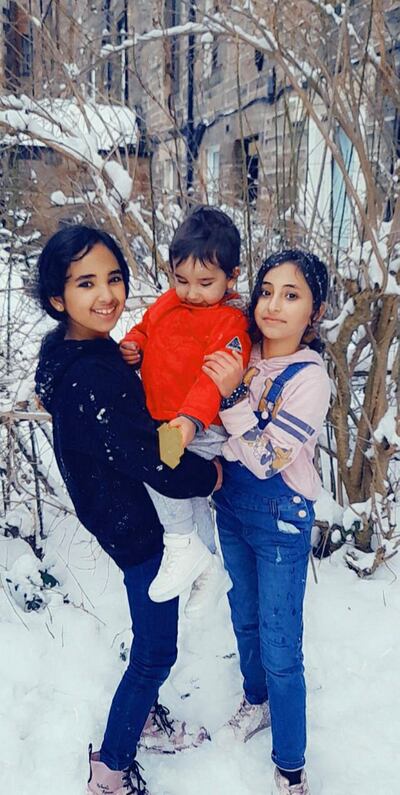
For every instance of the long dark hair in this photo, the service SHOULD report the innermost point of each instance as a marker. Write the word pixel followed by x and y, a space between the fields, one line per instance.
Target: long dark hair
pixel 68 245
pixel 315 273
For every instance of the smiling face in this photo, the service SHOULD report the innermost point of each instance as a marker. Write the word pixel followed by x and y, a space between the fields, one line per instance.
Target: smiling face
pixel 201 284
pixel 284 309
pixel 94 295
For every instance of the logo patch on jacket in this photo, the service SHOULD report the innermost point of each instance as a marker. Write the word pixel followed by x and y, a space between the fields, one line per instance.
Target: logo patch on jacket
pixel 234 345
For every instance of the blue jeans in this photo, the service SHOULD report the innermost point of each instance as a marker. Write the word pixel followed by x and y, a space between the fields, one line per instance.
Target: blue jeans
pixel 153 653
pixel 265 529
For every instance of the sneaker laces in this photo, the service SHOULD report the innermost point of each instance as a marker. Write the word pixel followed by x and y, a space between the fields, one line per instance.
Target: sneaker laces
pixel 131 778
pixel 161 719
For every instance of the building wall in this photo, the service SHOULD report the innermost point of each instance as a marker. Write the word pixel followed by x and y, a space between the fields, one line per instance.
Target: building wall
pixel 217 121
pixel 272 123
pixel 256 130
pixel 57 59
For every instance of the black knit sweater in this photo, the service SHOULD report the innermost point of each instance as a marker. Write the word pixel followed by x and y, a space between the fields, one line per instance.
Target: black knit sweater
pixel 106 445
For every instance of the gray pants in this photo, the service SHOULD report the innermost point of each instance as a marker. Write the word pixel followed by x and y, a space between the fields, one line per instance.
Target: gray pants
pixel 184 516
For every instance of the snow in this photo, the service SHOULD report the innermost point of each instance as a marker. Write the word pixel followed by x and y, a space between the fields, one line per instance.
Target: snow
pixel 327 509
pixel 119 176
pixel 387 427
pixel 63 664
pixel 59 198
pixel 332 327
pixel 109 126
pixel 354 512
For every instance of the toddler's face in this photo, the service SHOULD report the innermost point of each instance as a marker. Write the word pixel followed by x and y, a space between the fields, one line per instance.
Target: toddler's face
pixel 202 284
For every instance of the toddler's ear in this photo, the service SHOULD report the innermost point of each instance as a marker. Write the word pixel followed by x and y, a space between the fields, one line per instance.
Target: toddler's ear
pixel 233 277
pixel 57 303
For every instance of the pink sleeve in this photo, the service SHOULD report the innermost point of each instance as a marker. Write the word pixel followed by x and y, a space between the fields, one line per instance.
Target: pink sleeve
pixel 298 419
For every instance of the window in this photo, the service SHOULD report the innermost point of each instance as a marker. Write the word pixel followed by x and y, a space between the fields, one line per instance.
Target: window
pixel 259 60
pixel 168 176
pixel 252 167
pixel 92 82
pixel 212 59
pixel 212 177
pixel 341 215
pixel 26 53
pixel 122 35
pixel 271 84
pixel 107 68
pixel 252 163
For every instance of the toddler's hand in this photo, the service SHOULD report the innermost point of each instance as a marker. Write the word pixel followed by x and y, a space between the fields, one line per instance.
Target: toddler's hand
pixel 130 352
pixel 187 427
pixel 225 369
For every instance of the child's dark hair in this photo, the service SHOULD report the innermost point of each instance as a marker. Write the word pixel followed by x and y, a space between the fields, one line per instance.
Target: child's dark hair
pixel 315 273
pixel 209 235
pixel 70 244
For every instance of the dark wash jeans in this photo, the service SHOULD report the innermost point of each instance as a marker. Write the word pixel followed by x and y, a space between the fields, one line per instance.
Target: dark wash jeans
pixel 153 653
pixel 265 544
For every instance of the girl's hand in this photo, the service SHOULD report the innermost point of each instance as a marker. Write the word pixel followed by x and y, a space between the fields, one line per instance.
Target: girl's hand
pixel 187 428
pixel 225 369
pixel 130 352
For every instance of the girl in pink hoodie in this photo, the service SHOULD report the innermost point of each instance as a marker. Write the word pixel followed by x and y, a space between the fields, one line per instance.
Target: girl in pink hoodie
pixel 274 414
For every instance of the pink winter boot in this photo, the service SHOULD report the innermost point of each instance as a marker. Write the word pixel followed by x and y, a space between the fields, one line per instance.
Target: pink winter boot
pixel 103 781
pixel 248 720
pixel 284 788
pixel 164 735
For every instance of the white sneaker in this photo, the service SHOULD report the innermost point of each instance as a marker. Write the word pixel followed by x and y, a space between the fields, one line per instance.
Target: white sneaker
pixel 184 559
pixel 207 589
pixel 284 788
pixel 245 723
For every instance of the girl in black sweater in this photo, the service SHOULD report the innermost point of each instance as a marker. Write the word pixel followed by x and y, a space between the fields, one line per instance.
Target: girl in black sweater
pixel 106 446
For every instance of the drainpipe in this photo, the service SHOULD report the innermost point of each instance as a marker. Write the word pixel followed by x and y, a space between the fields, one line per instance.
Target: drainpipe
pixel 190 105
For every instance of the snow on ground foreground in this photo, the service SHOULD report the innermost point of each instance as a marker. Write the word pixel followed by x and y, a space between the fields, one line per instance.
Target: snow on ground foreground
pixel 59 669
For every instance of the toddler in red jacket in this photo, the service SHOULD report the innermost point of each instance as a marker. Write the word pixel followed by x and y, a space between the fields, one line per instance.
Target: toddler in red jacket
pixel 199 316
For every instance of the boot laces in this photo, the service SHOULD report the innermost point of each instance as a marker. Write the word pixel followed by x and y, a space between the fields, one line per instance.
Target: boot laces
pixel 161 719
pixel 295 789
pixel 244 710
pixel 131 778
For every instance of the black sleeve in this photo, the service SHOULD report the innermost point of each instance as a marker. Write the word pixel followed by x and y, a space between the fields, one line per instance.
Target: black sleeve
pixel 125 436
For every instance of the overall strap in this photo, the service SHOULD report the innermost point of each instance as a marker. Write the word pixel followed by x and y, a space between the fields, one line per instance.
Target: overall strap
pixel 279 382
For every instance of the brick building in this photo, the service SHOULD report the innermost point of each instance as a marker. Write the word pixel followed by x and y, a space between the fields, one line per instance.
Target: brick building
pixel 52 55
pixel 216 121
pixel 224 123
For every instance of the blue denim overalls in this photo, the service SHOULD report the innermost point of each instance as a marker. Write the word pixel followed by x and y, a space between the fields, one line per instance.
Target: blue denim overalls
pixel 264 529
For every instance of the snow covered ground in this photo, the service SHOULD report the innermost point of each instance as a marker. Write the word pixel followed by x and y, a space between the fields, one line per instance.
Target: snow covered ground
pixel 59 668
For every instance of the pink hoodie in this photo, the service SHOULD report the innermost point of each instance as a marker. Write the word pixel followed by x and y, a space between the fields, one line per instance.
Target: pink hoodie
pixel 287 443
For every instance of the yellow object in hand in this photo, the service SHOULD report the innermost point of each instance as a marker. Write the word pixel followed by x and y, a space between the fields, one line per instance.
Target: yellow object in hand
pixel 171 445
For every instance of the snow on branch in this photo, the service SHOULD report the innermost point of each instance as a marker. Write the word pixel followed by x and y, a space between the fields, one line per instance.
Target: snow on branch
pixel 388 428
pixel 86 135
pixel 217 25
pixel 332 327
